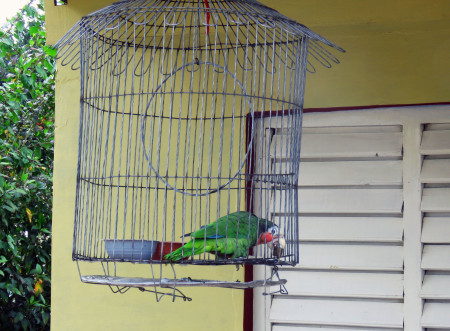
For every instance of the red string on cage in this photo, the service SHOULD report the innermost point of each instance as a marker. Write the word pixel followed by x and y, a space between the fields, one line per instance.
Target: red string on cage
pixel 207 16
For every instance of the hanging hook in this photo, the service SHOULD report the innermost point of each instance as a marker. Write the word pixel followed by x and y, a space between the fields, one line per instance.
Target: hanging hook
pixel 162 294
pixel 282 289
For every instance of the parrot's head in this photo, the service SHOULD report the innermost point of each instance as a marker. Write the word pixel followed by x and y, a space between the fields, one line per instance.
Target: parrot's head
pixel 270 234
pixel 274 240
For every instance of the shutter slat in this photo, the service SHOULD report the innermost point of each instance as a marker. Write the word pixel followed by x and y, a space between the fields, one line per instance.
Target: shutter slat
pixel 298 327
pixel 436 230
pixel 436 200
pixel 436 315
pixel 346 173
pixel 349 145
pixel 343 145
pixel 337 312
pixel 435 171
pixel 371 229
pixel 436 126
pixel 436 286
pixel 349 201
pixel 344 284
pixel 351 256
pixel 436 257
pixel 435 142
pixel 351 129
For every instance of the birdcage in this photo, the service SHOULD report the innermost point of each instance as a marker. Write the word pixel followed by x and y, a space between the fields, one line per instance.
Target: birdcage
pixel 189 139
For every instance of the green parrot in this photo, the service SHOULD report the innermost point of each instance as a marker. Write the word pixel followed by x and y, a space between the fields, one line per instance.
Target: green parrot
pixel 230 236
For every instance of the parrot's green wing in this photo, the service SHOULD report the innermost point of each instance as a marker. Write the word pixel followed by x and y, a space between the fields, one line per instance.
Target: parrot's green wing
pixel 235 225
pixel 233 248
pixel 224 248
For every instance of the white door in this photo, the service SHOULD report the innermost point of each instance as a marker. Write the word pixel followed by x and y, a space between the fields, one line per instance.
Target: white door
pixel 374 220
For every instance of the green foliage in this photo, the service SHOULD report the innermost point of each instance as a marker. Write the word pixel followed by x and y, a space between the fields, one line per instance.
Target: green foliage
pixel 27 71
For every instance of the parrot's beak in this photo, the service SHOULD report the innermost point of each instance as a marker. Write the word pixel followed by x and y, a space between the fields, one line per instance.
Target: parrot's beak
pixel 276 243
pixel 279 240
pixel 279 244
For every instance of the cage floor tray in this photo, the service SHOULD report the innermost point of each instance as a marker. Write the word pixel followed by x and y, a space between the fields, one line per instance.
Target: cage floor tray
pixel 166 282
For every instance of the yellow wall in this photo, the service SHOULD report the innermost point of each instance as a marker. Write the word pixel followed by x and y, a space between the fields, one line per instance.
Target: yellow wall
pixel 397 53
pixel 78 306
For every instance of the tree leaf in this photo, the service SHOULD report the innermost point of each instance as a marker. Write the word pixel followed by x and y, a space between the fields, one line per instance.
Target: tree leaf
pixel 41 71
pixel 51 51
pixel 37 153
pixel 47 145
pixel 19 191
pixel 29 214
pixel 12 114
pixel 11 205
pixel 34 29
pixel 6 41
pixel 38 287
pixel 24 176
pixel 20 26
pixel 24 322
pixel 19 316
pixel 26 152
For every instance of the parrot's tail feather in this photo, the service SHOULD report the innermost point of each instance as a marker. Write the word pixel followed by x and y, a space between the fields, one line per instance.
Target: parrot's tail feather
pixel 186 251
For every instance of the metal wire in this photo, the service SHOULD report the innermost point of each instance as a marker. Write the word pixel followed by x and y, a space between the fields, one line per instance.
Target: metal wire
pixel 188 113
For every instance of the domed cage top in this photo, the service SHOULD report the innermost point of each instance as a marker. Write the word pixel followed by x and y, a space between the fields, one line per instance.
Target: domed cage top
pixel 190 125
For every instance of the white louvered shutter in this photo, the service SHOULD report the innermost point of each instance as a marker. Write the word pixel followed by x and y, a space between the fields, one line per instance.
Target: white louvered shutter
pixel 435 176
pixel 360 213
pixel 350 203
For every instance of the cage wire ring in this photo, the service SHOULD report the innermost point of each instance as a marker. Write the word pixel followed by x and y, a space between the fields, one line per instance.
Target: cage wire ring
pixel 250 142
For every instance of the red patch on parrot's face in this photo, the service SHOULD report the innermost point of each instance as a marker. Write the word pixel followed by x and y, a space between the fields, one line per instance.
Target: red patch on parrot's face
pixel 264 238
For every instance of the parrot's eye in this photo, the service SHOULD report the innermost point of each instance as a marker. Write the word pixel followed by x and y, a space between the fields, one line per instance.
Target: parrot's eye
pixel 274 230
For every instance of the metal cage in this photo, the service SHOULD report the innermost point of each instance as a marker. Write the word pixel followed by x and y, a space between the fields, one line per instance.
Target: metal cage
pixel 190 110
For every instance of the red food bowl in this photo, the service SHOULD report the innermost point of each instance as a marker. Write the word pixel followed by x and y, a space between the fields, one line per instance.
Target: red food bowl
pixel 164 248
